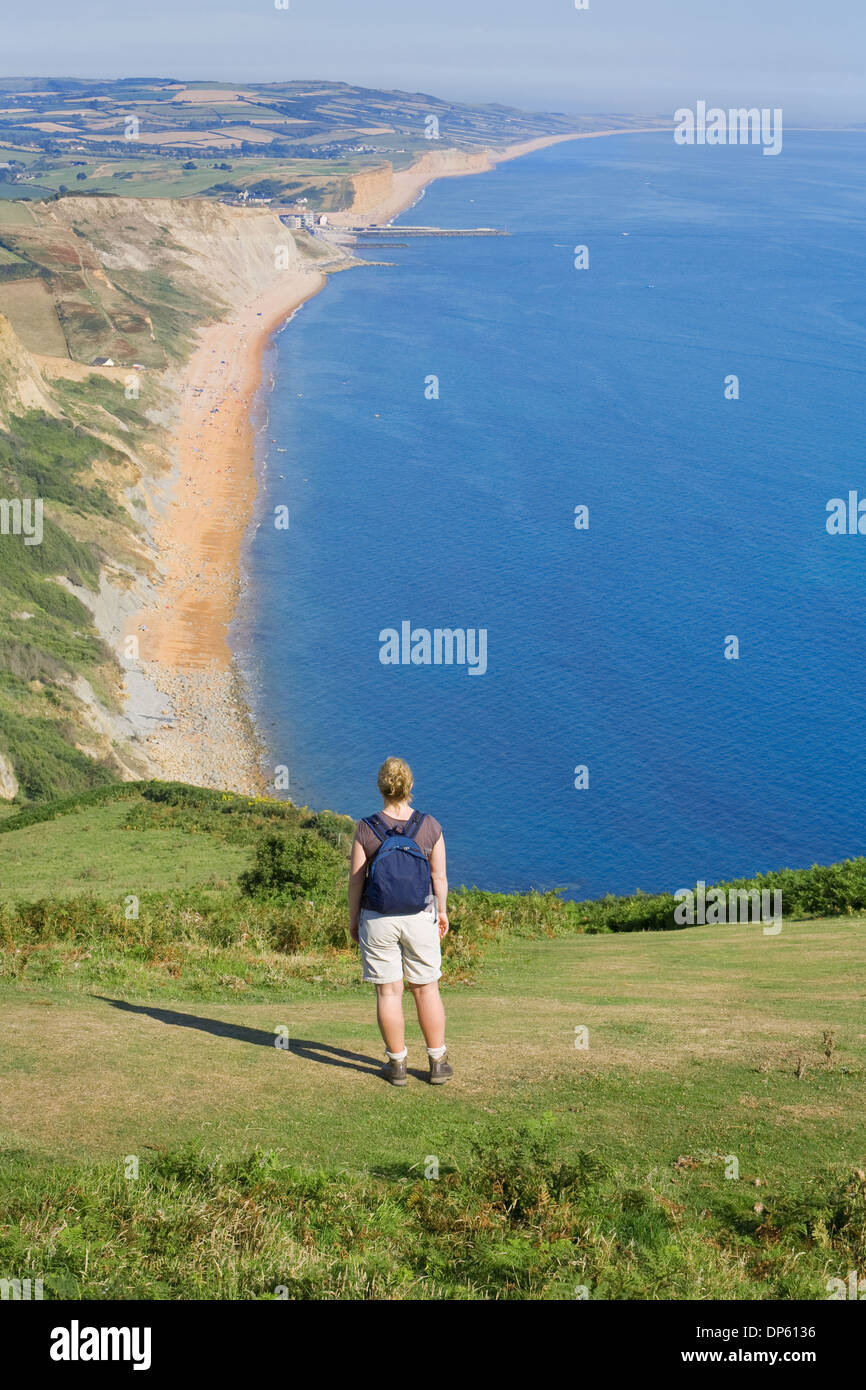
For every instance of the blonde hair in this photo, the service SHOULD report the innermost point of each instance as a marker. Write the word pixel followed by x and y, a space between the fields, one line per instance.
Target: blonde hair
pixel 395 780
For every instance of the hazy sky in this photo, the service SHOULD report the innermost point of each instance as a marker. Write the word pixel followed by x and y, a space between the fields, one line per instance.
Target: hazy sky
pixel 807 56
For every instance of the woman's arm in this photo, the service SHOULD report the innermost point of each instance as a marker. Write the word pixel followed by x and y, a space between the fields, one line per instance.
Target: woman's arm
pixel 357 874
pixel 440 882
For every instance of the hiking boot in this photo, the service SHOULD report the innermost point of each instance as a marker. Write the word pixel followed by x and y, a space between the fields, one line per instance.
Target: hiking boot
pixel 395 1072
pixel 440 1071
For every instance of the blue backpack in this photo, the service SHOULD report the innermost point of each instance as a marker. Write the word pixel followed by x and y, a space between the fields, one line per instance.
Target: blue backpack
pixel 398 881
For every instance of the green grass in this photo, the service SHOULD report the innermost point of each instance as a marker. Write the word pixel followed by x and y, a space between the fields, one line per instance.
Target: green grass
pixel 711 1051
pixel 13 214
pixel 154 177
pixel 253 890
pixel 15 191
pixel 70 855
pixel 557 1167
pixel 512 1219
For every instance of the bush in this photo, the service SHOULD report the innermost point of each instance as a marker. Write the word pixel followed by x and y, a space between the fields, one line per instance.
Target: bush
pixel 294 866
pixel 515 1168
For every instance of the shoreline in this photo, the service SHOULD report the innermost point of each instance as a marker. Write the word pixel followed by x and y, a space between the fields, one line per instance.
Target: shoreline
pixel 200 725
pixel 206 734
pixel 409 184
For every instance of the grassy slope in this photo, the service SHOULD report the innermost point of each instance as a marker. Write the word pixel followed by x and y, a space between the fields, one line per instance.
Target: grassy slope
pixel 91 851
pixel 703 1043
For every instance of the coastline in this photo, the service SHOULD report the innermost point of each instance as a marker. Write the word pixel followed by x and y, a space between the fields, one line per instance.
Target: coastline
pixel 185 669
pixel 409 184
pixel 185 691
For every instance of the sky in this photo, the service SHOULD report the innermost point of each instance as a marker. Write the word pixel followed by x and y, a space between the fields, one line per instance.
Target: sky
pixel 651 56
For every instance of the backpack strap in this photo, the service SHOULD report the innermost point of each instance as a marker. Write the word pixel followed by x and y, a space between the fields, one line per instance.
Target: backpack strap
pixel 413 824
pixel 382 830
pixel 378 827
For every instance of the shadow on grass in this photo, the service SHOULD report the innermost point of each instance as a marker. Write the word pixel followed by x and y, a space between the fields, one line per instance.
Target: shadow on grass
pixel 303 1047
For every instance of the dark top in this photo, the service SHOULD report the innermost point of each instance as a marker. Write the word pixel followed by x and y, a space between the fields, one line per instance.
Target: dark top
pixel 429 834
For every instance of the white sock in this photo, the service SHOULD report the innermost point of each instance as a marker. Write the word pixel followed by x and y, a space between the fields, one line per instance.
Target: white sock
pixel 397 1056
pixel 436 1052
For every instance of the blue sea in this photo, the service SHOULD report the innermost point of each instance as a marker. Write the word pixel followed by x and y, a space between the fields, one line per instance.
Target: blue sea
pixel 604 388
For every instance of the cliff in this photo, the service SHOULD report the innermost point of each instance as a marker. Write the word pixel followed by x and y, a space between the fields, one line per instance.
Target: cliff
pixel 138 282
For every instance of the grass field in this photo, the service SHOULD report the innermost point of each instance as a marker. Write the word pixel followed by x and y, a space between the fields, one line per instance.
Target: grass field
pixel 704 1047
pixel 708 1142
pixel 69 853
pixel 695 1041
pixel 167 178
pixel 30 309
pixel 13 214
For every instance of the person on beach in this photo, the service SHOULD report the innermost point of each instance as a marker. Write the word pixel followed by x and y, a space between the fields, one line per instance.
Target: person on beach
pixel 398 914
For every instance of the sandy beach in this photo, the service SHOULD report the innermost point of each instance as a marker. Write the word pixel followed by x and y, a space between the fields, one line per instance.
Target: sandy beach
pixel 202 731
pixel 207 736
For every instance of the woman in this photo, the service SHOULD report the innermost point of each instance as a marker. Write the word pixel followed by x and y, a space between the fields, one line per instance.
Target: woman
pixel 398 898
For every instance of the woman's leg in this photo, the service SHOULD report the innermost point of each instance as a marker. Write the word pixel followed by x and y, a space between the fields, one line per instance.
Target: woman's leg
pixel 431 1013
pixel 389 1011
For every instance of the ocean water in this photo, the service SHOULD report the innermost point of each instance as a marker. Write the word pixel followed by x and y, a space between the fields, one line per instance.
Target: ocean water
pixel 601 387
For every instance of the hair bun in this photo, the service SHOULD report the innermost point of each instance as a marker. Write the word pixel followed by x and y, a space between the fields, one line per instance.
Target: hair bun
pixel 395 780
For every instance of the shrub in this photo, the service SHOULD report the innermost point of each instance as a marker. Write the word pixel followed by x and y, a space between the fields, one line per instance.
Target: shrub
pixel 515 1168
pixel 293 866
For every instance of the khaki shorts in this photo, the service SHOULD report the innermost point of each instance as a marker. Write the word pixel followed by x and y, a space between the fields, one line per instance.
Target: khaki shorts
pixel 400 948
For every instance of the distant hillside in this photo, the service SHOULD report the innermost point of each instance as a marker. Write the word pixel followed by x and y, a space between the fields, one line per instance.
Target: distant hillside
pixel 315 118
pixel 168 138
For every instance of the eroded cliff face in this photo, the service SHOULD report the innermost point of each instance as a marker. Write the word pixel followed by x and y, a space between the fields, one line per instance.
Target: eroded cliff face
pixel 379 194
pixel 223 254
pixel 134 281
pixel 8 780
pixel 370 189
